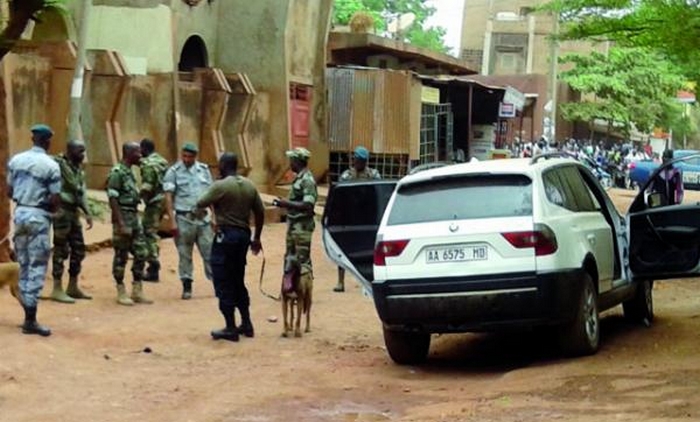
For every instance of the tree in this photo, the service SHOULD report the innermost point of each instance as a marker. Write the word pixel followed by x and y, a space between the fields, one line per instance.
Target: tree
pixel 21 12
pixel 628 86
pixel 670 27
pixel 418 33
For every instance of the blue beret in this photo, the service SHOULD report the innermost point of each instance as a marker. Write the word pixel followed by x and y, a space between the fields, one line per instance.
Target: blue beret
pixel 362 153
pixel 41 129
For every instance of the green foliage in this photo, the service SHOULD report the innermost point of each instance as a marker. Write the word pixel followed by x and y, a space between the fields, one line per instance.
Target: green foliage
pixel 385 10
pixel 670 27
pixel 632 86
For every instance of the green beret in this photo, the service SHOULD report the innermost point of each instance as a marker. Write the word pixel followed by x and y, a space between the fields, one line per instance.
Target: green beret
pixel 299 153
pixel 190 147
pixel 41 129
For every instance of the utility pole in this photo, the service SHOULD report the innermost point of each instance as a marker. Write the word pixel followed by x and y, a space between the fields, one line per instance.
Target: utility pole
pixel 553 75
pixel 76 92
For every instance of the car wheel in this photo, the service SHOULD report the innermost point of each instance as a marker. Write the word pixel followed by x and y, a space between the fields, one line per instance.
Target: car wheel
pixel 641 307
pixel 582 335
pixel 406 347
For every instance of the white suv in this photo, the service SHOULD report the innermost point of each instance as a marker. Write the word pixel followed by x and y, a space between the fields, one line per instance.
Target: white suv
pixel 502 244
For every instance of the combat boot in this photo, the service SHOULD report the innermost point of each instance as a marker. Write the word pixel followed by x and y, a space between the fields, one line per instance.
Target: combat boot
pixel 152 274
pixel 58 294
pixel 186 289
pixel 74 291
pixel 229 333
pixel 122 297
pixel 31 326
pixel 246 327
pixel 137 294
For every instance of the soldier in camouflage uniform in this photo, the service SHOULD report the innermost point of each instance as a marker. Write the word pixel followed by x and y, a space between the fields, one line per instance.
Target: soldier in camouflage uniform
pixel 33 182
pixel 153 167
pixel 300 209
pixel 68 239
pixel 127 233
pixel 358 171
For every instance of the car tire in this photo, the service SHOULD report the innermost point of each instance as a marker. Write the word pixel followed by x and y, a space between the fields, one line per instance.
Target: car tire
pixel 582 335
pixel 407 347
pixel 640 309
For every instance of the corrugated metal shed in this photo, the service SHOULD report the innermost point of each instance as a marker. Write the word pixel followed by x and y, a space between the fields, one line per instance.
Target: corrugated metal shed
pixel 372 107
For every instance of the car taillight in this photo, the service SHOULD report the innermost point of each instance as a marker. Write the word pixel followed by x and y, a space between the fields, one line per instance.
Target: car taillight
pixel 542 239
pixel 388 249
pixel 632 165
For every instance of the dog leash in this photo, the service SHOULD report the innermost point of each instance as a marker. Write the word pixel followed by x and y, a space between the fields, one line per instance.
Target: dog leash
pixel 262 275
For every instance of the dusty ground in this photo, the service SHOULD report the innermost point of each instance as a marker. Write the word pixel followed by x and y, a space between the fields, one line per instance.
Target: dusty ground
pixel 94 367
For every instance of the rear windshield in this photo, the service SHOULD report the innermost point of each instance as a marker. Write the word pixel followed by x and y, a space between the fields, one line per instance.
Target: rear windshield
pixel 463 197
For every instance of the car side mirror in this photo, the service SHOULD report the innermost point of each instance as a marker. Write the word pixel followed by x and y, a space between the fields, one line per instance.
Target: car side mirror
pixel 653 200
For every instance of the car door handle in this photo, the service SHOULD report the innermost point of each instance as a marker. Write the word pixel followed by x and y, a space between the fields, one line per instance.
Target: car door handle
pixel 591 239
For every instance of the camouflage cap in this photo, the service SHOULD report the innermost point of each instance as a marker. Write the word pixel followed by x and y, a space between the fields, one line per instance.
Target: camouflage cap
pixel 190 147
pixel 299 153
pixel 41 129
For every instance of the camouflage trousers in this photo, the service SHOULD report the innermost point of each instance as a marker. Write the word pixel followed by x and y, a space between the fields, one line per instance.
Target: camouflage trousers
pixel 33 249
pixel 191 231
pixel 131 241
pixel 151 224
pixel 68 242
pixel 298 240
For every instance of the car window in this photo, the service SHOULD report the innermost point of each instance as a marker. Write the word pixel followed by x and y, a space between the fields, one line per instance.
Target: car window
pixel 582 196
pixel 557 191
pixel 553 188
pixel 462 197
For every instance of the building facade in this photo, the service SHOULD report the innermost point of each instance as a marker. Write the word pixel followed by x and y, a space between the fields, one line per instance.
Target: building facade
pixel 232 75
pixel 508 37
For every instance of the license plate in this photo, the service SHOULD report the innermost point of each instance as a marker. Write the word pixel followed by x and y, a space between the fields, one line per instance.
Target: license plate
pixel 457 253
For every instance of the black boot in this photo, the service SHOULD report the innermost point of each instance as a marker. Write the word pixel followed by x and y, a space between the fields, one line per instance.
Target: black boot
pixel 229 333
pixel 152 272
pixel 246 327
pixel 186 289
pixel 31 326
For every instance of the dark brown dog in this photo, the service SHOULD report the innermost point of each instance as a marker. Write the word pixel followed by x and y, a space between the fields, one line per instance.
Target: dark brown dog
pixel 297 292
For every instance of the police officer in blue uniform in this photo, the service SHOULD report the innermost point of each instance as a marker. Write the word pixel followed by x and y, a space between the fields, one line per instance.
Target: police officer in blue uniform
pixel 34 184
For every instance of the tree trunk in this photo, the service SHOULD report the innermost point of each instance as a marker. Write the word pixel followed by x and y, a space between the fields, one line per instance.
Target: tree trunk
pixel 4 158
pixel 21 12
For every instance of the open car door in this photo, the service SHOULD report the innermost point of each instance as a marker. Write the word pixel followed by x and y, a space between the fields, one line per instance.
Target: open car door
pixel 350 222
pixel 664 227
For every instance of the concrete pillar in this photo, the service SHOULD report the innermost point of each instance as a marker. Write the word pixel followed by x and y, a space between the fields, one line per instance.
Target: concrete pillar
pixel 486 56
pixel 530 42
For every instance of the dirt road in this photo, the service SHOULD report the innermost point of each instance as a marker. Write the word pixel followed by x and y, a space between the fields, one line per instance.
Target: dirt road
pixel 95 368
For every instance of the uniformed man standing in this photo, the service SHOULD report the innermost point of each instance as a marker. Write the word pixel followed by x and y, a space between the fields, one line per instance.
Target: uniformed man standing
pixel 153 167
pixel 34 183
pixel 127 232
pixel 358 171
pixel 68 239
pixel 234 198
pixel 300 209
pixel 183 183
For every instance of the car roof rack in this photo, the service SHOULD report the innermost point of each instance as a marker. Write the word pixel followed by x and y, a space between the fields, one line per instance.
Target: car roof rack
pixel 553 154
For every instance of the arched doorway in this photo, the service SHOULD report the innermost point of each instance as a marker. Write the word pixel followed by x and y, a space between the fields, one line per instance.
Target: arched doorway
pixel 194 54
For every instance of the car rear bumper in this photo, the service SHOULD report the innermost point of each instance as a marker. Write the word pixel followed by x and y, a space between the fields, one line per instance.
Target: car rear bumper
pixel 441 305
